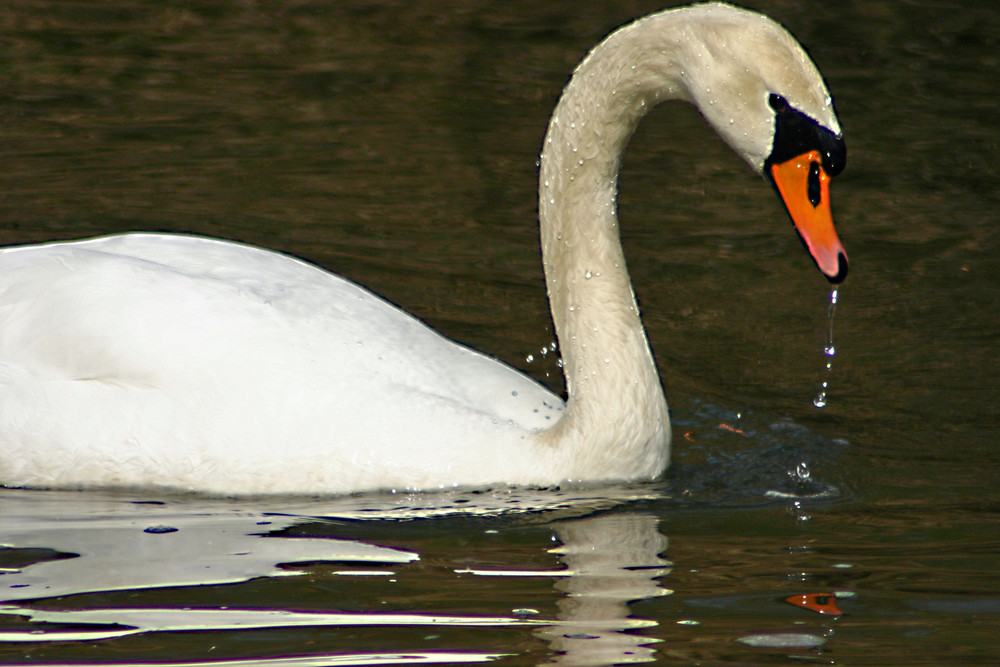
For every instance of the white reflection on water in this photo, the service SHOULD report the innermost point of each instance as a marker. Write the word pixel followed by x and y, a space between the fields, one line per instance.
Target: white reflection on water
pixel 117 552
pixel 614 560
pixel 609 561
pixel 108 623
pixel 339 659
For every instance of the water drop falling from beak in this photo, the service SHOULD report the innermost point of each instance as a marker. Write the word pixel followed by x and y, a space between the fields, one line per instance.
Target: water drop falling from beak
pixel 829 351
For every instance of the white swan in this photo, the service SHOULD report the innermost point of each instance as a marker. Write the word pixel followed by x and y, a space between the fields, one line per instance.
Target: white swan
pixel 159 360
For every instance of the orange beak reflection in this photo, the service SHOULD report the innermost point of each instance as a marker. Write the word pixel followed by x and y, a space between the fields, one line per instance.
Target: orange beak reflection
pixel 804 187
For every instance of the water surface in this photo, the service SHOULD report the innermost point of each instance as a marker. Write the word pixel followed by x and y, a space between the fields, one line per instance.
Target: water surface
pixel 396 145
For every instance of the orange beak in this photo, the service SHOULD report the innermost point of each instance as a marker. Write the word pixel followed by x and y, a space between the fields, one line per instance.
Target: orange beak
pixel 804 187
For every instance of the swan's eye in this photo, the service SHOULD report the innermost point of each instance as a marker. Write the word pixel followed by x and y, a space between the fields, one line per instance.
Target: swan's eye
pixel 812 185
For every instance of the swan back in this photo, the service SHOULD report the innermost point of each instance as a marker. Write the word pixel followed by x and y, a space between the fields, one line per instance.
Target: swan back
pixel 167 360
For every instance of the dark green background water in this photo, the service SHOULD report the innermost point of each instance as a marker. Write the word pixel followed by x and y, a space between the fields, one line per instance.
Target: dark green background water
pixel 395 143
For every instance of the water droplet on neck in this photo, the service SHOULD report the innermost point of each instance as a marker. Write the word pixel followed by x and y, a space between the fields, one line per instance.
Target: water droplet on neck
pixel 829 351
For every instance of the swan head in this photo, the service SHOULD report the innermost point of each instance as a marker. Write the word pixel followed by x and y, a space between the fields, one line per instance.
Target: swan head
pixel 760 91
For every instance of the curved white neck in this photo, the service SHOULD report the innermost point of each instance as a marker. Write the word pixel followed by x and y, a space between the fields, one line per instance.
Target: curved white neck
pixel 616 404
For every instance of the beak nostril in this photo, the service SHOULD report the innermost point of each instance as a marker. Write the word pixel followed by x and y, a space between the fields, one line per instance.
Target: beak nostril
pixel 814 190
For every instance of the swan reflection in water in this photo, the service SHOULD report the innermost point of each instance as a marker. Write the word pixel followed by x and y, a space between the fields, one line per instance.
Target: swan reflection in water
pixel 611 560
pixel 109 543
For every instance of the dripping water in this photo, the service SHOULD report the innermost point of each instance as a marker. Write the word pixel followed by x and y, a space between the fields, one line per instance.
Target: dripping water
pixel 829 352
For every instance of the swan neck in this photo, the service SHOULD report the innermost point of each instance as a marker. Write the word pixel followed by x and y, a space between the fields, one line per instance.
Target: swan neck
pixel 611 377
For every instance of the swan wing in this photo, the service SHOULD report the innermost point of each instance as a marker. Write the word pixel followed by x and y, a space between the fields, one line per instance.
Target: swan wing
pixel 286 354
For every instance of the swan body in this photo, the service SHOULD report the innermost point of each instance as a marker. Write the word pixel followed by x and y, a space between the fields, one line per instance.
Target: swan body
pixel 160 360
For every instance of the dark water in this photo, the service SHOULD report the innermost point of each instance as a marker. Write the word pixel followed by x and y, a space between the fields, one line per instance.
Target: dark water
pixel 395 143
